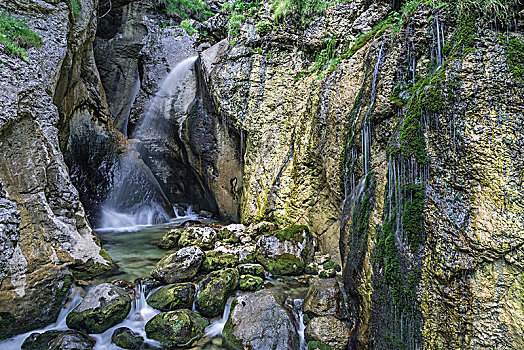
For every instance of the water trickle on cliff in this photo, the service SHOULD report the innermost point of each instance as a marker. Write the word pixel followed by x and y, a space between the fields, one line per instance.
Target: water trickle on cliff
pixel 136 198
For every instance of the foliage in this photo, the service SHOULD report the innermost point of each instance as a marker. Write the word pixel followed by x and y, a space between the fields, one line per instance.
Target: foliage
pixel 239 11
pixel 515 54
pixel 76 6
pixel 188 27
pixel 301 9
pixel 263 27
pixel 185 9
pixel 16 36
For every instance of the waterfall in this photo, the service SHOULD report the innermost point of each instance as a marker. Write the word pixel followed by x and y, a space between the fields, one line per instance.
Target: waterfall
pixel 216 328
pixel 136 198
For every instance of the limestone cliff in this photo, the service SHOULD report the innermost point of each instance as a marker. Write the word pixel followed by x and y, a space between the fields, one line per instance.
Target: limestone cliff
pixel 44 235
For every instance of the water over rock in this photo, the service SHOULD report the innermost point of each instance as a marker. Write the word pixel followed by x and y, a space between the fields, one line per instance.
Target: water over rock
pixel 261 321
pixel 103 307
pixel 214 290
pixel 180 266
pixel 126 338
pixel 176 328
pixel 173 297
pixel 328 330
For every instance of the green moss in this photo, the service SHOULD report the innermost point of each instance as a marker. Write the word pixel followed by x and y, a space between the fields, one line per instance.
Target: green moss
pixel 515 57
pixel 412 224
pixel 294 234
pixel 185 9
pixel 217 260
pixel 173 297
pixel 285 264
pixel 332 265
pixel 316 345
pixel 263 28
pixel 188 27
pixel 76 6
pixel 16 37
pixel 412 141
pixel 176 328
pixel 126 340
pixel 250 283
pixel 330 273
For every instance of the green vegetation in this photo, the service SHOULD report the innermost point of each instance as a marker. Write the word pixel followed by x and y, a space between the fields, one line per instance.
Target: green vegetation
pixel 315 345
pixel 412 216
pixel 185 9
pixel 16 37
pixel 188 27
pixel 293 233
pixel 75 6
pixel 300 9
pixel 515 55
pixel 239 11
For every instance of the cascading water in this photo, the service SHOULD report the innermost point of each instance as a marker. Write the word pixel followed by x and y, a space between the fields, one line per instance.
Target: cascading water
pixel 136 198
pixel 215 329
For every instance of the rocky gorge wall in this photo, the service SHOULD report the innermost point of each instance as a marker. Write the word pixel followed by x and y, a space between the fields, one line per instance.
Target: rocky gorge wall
pixel 45 237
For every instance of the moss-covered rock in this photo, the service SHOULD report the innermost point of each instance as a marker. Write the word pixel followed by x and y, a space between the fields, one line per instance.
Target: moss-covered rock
pixel 311 269
pixel 173 297
pixel 250 283
pixel 170 239
pixel 176 328
pixel 126 338
pixel 59 340
pixel 203 237
pixel 328 273
pixel 252 269
pixel 217 260
pixel 103 307
pixel 324 298
pixel 316 345
pixel 180 266
pixel 285 252
pixel 328 330
pixel 39 341
pixel 215 289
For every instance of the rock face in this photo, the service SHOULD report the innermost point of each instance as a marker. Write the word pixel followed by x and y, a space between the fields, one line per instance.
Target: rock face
pixel 176 328
pixel 103 307
pixel 328 330
pixel 173 297
pixel 44 235
pixel 324 298
pixel 180 266
pixel 260 321
pixel 285 252
pixel 214 290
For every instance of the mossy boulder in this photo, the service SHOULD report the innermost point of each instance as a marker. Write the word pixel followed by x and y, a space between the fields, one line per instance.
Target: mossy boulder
pixel 58 340
pixel 250 283
pixel 170 239
pixel 176 328
pixel 214 290
pixel 203 237
pixel 180 266
pixel 311 269
pixel 316 345
pixel 217 260
pixel 262 228
pixel 285 252
pixel 324 298
pixel 126 338
pixel 328 273
pixel 103 307
pixel 328 330
pixel 252 269
pixel 261 321
pixel 173 297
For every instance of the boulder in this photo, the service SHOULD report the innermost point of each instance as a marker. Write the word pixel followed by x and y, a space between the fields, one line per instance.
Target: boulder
pixel 316 345
pixel 325 298
pixel 176 328
pixel 252 269
pixel 215 289
pixel 285 252
pixel 250 283
pixel 217 260
pixel 170 239
pixel 261 321
pixel 59 340
pixel 126 338
pixel 180 266
pixel 328 330
pixel 103 307
pixel 173 297
pixel 203 237
pixel 261 228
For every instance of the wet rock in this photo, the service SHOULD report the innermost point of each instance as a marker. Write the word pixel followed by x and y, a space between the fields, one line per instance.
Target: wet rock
pixel 126 338
pixel 146 285
pixel 215 289
pixel 328 330
pixel 103 307
pixel 170 239
pixel 324 298
pixel 250 283
pixel 285 252
pixel 311 269
pixel 173 297
pixel 321 259
pixel 330 273
pixel 203 237
pixel 176 328
pixel 217 260
pixel 59 340
pixel 252 269
pixel 261 321
pixel 316 345
pixel 180 266
pixel 261 228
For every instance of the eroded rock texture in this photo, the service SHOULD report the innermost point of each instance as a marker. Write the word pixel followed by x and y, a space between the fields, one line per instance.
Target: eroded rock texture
pixel 45 237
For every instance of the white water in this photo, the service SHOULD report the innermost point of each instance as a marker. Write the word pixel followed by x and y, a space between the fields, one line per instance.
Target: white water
pixel 215 329
pixel 145 216
pixel 301 326
pixel 136 320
